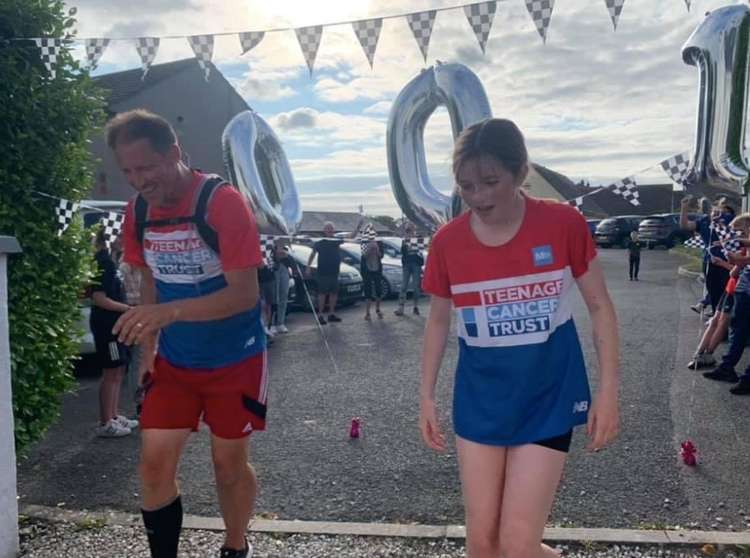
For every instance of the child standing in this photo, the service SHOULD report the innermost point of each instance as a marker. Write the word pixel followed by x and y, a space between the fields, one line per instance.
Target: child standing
pixel 509 266
pixel 634 255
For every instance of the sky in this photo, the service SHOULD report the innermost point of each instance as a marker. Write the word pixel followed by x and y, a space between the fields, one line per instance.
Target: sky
pixel 593 103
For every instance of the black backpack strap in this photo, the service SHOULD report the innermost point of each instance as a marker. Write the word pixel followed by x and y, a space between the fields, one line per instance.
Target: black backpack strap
pixel 207 233
pixel 141 214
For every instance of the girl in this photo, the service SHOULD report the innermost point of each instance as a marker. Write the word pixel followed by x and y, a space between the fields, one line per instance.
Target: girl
pixel 718 326
pixel 371 267
pixel 634 255
pixel 508 266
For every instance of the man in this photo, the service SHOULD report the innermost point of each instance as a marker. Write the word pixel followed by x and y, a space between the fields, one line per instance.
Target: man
pixel 327 276
pixel 411 266
pixel 196 244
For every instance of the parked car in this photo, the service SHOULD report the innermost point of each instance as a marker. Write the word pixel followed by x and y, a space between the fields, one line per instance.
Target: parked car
pixel 615 231
pixel 592 223
pixel 350 280
pixel 351 254
pixel 663 230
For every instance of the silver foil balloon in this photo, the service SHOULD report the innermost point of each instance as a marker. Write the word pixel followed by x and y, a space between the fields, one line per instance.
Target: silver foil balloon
pixel 719 48
pixel 455 87
pixel 257 165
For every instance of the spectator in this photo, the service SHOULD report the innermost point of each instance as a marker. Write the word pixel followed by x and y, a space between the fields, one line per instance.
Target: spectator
pixel 282 272
pixel 371 266
pixel 327 276
pixel 267 285
pixel 716 276
pixel 634 255
pixel 411 262
pixel 108 304
pixel 719 324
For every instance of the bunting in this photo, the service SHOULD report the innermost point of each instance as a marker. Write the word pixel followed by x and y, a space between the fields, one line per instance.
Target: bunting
pixel 94 50
pixel 368 33
pixel 49 51
pixel 65 212
pixel 249 41
pixel 147 48
pixel 421 24
pixel 541 13
pixel 480 18
pixel 677 167
pixel 203 47
pixel 309 41
pixel 112 223
pixel 615 9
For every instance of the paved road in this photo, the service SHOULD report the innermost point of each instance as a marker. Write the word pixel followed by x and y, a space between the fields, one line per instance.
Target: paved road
pixel 310 469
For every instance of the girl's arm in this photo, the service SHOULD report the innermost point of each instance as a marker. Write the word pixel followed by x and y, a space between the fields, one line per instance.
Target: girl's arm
pixel 604 419
pixel 100 299
pixel 435 336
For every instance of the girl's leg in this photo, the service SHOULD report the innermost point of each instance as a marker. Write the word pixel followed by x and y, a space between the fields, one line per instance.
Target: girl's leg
pixel 532 473
pixel 482 478
pixel 116 390
pixel 719 332
pixel 282 297
pixel 107 389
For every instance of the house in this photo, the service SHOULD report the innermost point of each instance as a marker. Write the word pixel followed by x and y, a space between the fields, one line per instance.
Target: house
pixel 343 222
pixel 199 110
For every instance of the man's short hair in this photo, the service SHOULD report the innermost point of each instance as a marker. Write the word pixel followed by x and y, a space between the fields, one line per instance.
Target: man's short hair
pixel 138 124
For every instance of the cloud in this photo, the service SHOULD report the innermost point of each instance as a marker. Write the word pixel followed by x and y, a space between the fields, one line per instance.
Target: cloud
pixel 381 107
pixel 300 118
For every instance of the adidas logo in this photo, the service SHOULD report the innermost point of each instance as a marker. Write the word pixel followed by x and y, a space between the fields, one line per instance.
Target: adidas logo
pixel 248 428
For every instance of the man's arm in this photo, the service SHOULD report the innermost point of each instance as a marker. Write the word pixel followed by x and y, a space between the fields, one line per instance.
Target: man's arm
pixel 685 223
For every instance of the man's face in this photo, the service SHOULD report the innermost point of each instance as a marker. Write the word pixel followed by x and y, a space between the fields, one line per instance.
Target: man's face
pixel 149 172
pixel 328 230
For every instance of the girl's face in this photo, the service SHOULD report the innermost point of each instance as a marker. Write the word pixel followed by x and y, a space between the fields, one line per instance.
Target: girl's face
pixel 744 231
pixel 486 186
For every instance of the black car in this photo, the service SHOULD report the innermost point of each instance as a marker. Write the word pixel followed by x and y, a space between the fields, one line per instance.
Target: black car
pixel 615 231
pixel 662 230
pixel 350 280
pixel 593 223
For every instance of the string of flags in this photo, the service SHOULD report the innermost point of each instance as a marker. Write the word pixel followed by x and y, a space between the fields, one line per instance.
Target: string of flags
pixel 676 167
pixel 729 239
pixel 480 16
pixel 66 210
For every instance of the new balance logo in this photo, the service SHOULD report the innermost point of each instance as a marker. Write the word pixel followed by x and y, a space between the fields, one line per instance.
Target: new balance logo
pixel 248 428
pixel 250 342
pixel 581 407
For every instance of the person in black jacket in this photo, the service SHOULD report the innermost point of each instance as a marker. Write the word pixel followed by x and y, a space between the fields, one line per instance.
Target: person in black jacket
pixel 371 267
pixel 108 304
pixel 634 255
pixel 412 262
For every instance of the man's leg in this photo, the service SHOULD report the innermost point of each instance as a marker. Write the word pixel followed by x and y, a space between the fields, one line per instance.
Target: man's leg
pixel 405 278
pixel 108 392
pixel 738 334
pixel 162 506
pixel 236 486
pixel 416 274
pixel 332 298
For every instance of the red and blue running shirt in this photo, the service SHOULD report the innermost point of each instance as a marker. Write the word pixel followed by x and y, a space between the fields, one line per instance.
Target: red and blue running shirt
pixel 521 376
pixel 184 266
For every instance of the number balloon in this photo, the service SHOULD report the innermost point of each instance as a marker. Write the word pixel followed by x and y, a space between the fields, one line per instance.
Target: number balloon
pixel 455 87
pixel 719 48
pixel 257 165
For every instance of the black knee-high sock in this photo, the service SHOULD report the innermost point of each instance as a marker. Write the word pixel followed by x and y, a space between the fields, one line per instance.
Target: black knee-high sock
pixel 163 529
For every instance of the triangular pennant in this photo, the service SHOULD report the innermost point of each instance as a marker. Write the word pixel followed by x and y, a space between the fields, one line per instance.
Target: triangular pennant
pixel 112 223
pixel 203 47
pixel 480 18
pixel 368 33
pixel 577 203
pixel 65 212
pixel 250 40
pixel 628 189
pixel 309 41
pixel 147 48
pixel 94 50
pixel 421 24
pixel 687 4
pixel 615 9
pixel 677 167
pixel 695 242
pixel 49 51
pixel 541 13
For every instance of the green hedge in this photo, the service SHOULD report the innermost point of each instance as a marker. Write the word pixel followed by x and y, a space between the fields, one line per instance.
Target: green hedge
pixel 45 127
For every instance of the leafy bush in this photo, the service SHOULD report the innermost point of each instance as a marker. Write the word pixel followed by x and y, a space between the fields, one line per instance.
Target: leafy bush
pixel 45 126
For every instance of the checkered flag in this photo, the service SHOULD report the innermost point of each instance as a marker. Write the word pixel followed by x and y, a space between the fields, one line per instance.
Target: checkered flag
pixel 541 13
pixel 112 224
pixel 309 41
pixel 732 245
pixel 480 18
pixel 615 9
pixel 367 235
pixel 50 50
pixel 368 33
pixel 249 41
pixel 723 233
pixel 65 212
pixel 418 242
pixel 628 189
pixel 267 247
pixel 695 242
pixel 577 203
pixel 203 47
pixel 94 50
pixel 421 24
pixel 147 48
pixel 677 167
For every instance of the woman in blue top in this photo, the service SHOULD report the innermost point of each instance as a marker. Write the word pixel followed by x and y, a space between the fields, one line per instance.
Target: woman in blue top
pixel 510 267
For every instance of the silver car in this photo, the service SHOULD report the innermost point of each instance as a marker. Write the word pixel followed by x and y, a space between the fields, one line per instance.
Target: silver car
pixel 351 254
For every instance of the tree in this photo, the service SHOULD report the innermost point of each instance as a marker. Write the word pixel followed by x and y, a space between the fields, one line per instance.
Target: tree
pixel 386 221
pixel 45 126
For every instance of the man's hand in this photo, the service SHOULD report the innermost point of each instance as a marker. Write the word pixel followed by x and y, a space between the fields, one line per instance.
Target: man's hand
pixel 141 322
pixel 686 201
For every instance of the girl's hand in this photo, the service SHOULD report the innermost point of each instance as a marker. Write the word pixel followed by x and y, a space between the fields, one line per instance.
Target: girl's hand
pixel 604 420
pixel 428 424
